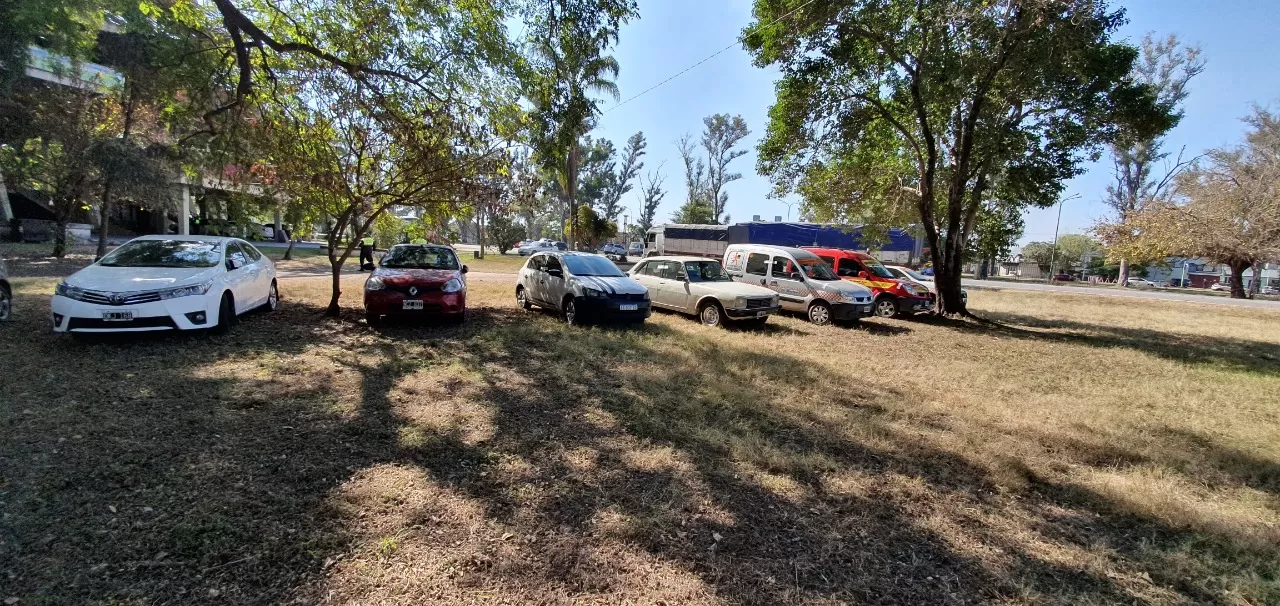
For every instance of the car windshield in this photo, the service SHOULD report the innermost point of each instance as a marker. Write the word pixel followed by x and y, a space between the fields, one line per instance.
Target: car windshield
pixel 420 257
pixel 817 269
pixel 915 275
pixel 164 253
pixel 591 265
pixel 876 268
pixel 706 271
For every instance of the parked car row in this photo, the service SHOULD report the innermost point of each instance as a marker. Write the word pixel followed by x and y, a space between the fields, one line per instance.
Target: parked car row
pixel 157 283
pixel 525 249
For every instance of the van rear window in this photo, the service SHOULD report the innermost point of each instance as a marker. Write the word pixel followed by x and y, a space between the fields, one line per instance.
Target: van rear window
pixel 758 264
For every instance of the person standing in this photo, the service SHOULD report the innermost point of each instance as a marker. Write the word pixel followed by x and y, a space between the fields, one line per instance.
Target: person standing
pixel 366 253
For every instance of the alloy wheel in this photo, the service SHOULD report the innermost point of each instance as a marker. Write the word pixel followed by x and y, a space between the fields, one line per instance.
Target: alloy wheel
pixel 6 304
pixel 570 312
pixel 886 308
pixel 273 297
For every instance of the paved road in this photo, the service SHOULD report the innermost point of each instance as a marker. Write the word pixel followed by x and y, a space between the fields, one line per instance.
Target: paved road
pixel 1129 293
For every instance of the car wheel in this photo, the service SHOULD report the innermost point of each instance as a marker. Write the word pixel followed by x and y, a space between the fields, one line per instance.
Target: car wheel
pixel 886 307
pixel 6 303
pixel 711 314
pixel 273 297
pixel 570 312
pixel 522 298
pixel 226 314
pixel 820 313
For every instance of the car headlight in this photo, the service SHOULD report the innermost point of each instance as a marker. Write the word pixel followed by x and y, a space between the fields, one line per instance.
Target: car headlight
pixel 593 293
pixel 776 300
pixel 915 289
pixel 374 283
pixel 68 291
pixel 186 291
pixel 453 285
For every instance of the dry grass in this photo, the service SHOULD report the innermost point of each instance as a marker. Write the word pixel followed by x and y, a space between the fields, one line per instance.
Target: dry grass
pixel 1090 451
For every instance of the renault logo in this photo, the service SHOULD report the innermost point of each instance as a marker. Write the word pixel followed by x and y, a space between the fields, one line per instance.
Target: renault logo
pixel 413 290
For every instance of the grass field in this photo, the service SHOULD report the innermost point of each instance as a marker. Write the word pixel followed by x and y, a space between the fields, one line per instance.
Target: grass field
pixel 1089 451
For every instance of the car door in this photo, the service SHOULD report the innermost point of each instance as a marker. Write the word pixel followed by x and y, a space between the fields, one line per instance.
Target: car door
pixel 260 285
pixel 554 282
pixel 531 277
pixel 667 288
pixel 678 290
pixel 239 278
pixel 785 278
pixel 640 273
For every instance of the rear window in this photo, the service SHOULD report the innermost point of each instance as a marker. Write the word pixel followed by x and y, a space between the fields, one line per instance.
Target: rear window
pixel 758 264
pixel 420 257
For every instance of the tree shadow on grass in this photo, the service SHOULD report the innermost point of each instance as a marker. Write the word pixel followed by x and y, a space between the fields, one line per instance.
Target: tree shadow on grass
pixel 1233 354
pixel 175 472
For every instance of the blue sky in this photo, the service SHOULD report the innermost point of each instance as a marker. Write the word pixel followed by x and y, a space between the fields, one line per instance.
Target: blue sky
pixel 1240 40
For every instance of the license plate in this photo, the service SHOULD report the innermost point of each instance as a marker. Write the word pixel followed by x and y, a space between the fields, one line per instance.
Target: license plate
pixel 866 309
pixel 412 304
pixel 628 307
pixel 761 314
pixel 117 316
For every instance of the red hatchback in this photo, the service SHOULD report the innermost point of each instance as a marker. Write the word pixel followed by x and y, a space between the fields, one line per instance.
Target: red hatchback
pixel 417 281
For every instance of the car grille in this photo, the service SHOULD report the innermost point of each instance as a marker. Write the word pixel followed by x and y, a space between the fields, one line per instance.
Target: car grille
pixel 155 322
pixel 757 303
pixel 629 297
pixel 422 288
pixel 103 298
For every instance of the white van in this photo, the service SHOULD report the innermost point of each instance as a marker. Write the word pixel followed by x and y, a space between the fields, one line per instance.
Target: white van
pixel 804 283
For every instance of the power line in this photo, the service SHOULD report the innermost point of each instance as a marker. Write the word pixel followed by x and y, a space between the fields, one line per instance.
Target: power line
pixel 736 42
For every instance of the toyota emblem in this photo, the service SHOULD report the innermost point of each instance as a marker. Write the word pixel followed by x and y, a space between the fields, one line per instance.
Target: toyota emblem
pixel 116 299
pixel 413 290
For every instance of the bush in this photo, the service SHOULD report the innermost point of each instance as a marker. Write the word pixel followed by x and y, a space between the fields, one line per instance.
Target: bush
pixel 505 233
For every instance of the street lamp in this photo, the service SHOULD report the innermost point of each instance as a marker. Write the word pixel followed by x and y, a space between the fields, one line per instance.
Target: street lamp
pixel 789 205
pixel 1053 255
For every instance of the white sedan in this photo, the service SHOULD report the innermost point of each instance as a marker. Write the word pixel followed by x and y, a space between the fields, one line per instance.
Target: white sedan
pixel 529 248
pixel 906 273
pixel 166 283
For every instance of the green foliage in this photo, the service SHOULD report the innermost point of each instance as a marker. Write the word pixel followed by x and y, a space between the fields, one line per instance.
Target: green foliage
pixel 1040 253
pixel 696 212
pixel 1073 249
pixel 505 232
pixel 999 226
pixel 593 229
pixel 388 230
pixel 889 107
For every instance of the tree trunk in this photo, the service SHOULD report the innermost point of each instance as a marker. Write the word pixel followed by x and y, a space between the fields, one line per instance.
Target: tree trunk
pixel 1237 279
pixel 288 252
pixel 1256 286
pixel 571 182
pixel 104 211
pixel 60 235
pixel 1124 273
pixel 335 266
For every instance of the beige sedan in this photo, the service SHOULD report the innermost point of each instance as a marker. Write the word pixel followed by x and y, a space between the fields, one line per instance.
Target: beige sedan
pixel 699 286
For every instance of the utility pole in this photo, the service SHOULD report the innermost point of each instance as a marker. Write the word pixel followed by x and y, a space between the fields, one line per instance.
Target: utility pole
pixel 1053 254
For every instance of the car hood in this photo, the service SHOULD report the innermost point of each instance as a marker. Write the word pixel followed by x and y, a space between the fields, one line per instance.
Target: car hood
pixel 420 276
pixel 846 288
pixel 134 279
pixel 614 285
pixel 734 289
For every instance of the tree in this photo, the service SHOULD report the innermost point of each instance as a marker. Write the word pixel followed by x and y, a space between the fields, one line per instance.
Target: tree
pixel 1225 207
pixel 1040 253
pixel 505 233
pixel 611 203
pixel 651 196
pixel 1076 249
pixel 720 135
pixel 908 104
pixel 570 38
pixel 1167 67
pixel 697 207
pixel 593 229
pixel 998 227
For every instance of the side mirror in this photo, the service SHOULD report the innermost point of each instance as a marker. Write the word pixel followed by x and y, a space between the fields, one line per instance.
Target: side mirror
pixel 863 275
pixel 681 278
pixel 234 263
pixel 464 269
pixel 555 272
pixel 795 275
